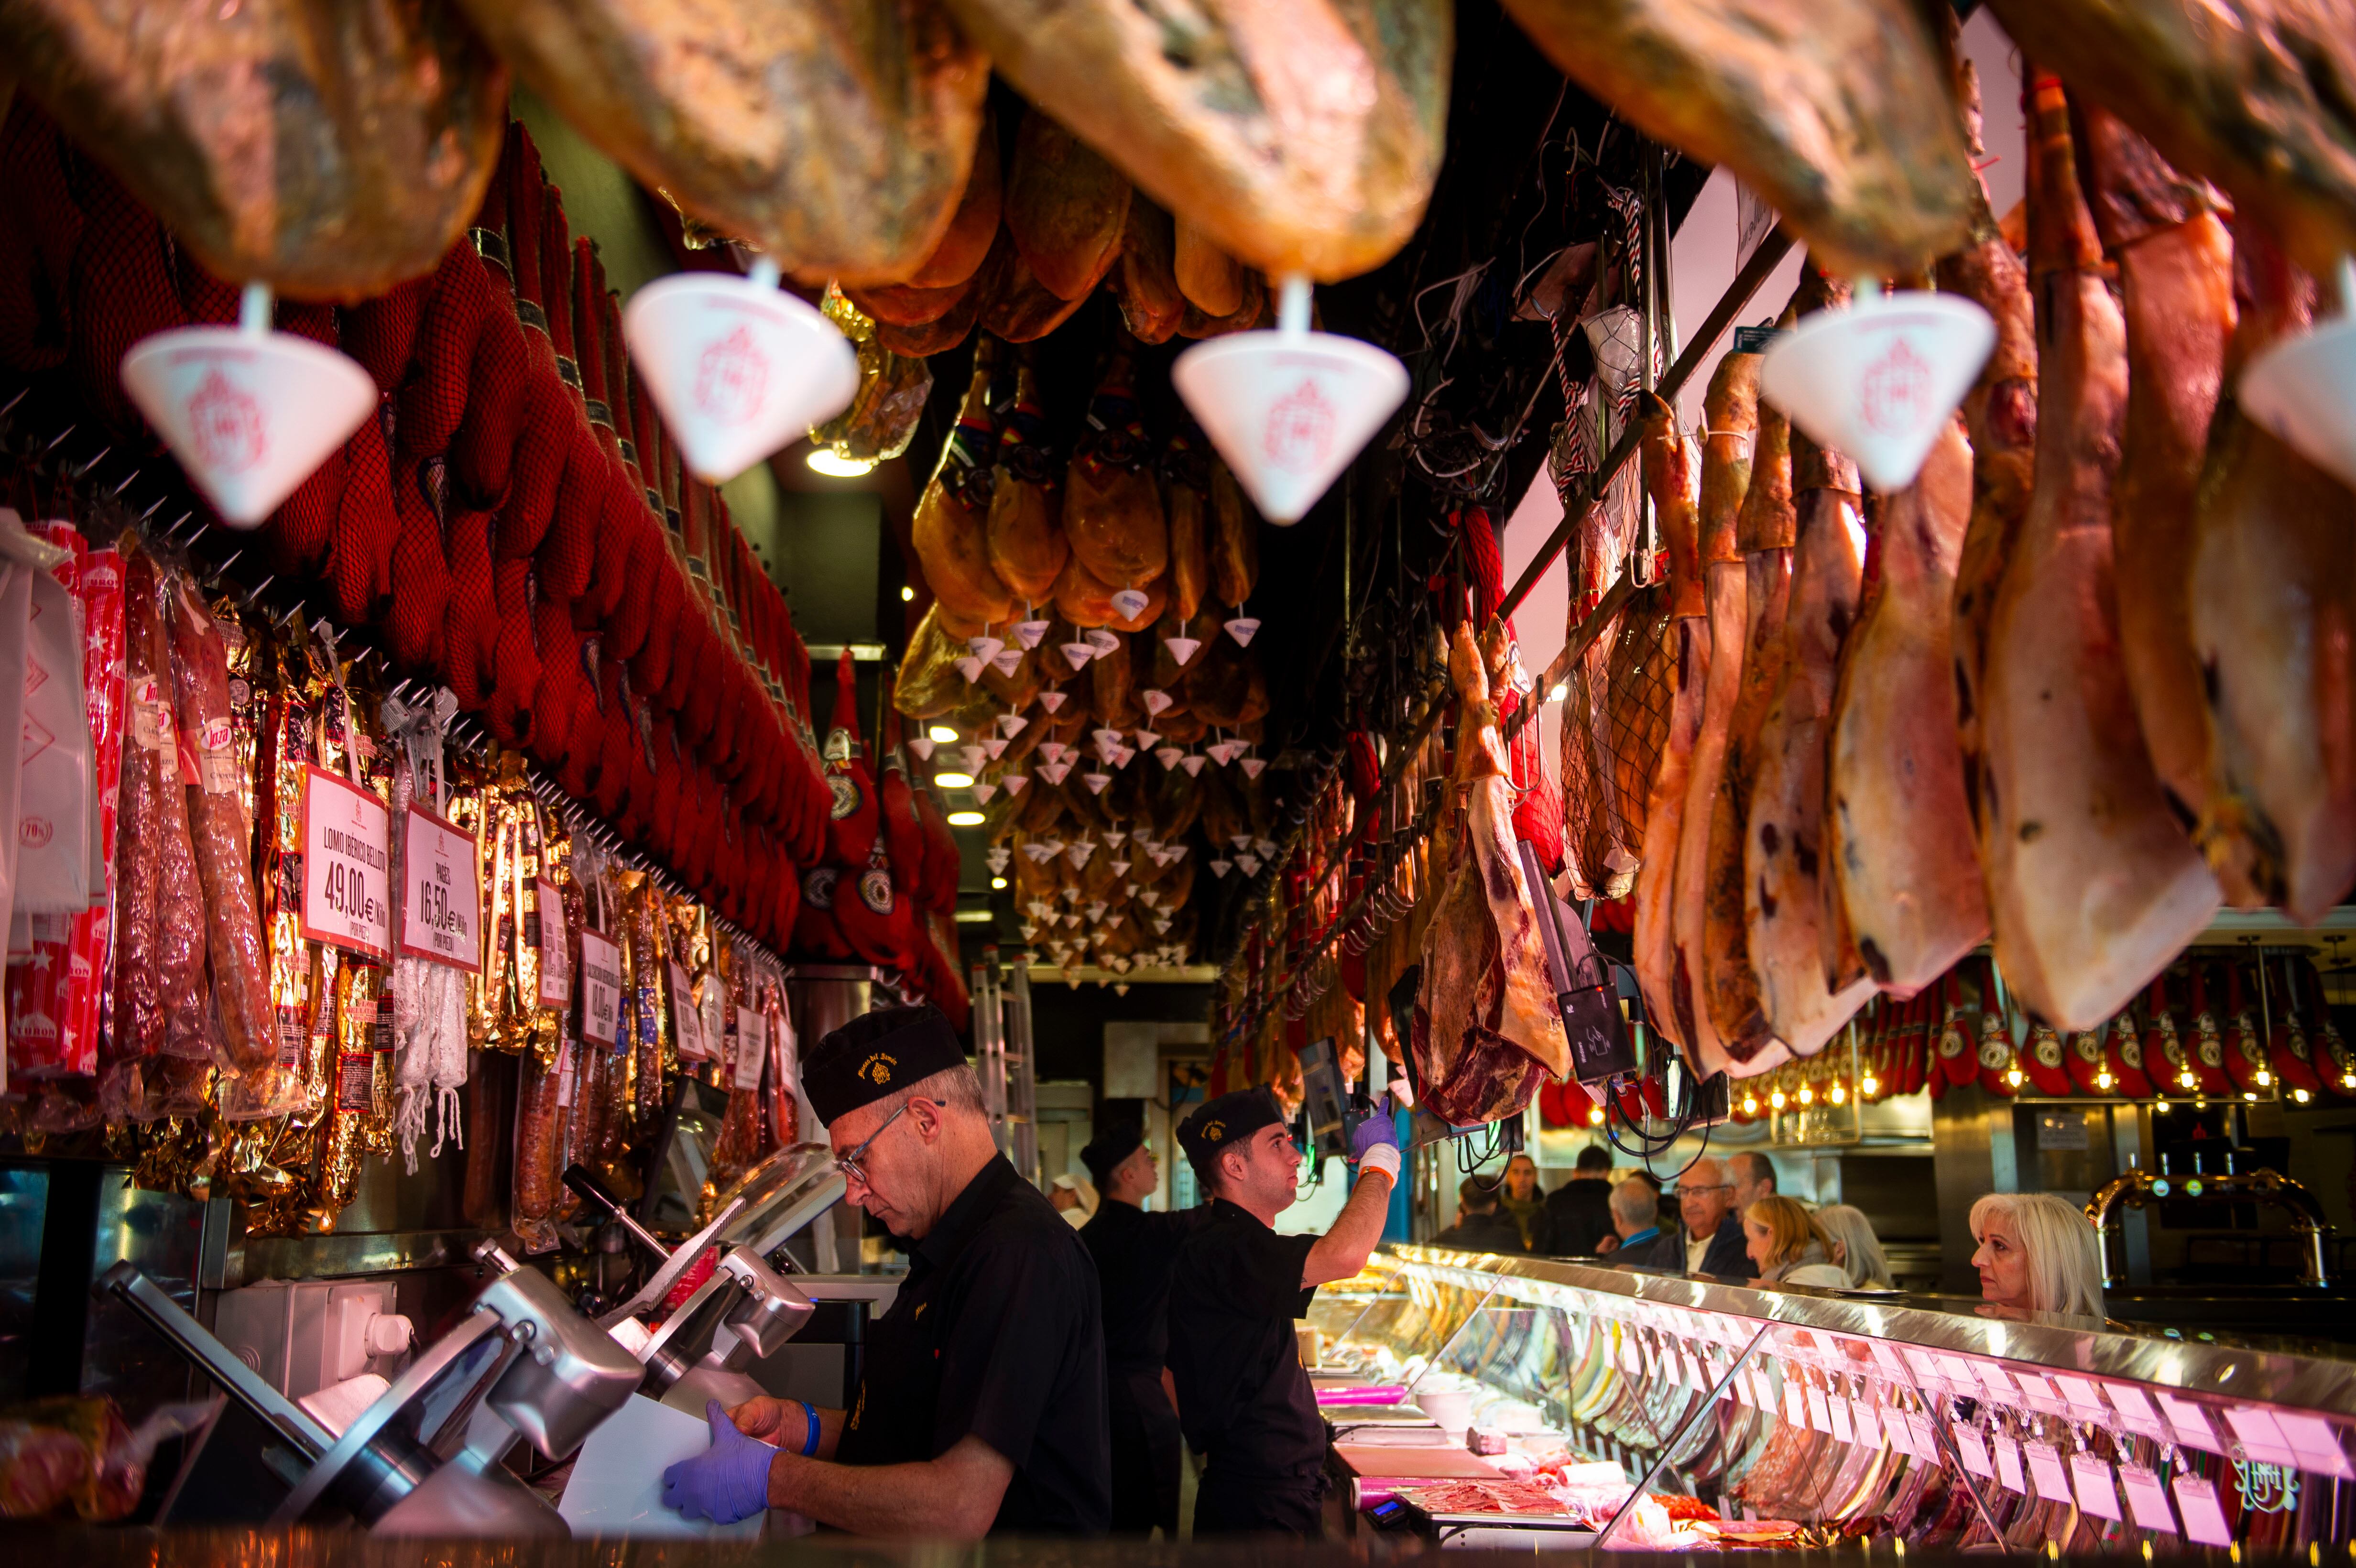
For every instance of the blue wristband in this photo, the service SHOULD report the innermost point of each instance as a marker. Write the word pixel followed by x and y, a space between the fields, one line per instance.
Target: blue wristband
pixel 809 1439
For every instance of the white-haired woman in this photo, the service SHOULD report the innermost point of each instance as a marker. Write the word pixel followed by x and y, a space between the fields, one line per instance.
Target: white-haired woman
pixel 2037 1253
pixel 1849 1236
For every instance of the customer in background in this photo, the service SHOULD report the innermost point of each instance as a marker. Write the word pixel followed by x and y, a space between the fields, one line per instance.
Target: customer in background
pixel 1754 1177
pixel 1482 1226
pixel 2038 1254
pixel 1849 1238
pixel 1075 1198
pixel 1714 1242
pixel 1786 1245
pixel 1635 1220
pixel 1520 1200
pixel 1578 1212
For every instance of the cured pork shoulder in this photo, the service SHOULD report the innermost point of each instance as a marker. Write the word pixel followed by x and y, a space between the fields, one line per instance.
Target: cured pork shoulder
pixel 2093 885
pixel 1903 862
pixel 330 151
pixel 2273 628
pixel 1808 990
pixel 835 135
pixel 1731 416
pixel 1299 137
pixel 2257 95
pixel 1834 111
pixel 2176 287
pixel 1486 1034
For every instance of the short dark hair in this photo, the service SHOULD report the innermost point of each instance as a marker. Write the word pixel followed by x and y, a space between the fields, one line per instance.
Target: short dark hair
pixel 1476 1195
pixel 1594 1157
pixel 1759 1168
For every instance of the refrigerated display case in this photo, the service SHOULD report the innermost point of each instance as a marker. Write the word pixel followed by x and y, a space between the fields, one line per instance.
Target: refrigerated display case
pixel 1735 1416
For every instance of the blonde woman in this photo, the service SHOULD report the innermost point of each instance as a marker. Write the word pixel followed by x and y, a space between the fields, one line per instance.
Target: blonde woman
pixel 1783 1240
pixel 1849 1238
pixel 2037 1253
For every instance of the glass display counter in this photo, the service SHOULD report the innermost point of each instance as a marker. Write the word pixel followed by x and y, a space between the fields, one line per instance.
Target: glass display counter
pixel 1738 1416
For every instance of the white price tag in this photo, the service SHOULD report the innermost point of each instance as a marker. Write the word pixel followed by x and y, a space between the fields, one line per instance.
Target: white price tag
pixel 1842 1430
pixel 1927 1440
pixel 1763 1386
pixel 2136 1411
pixel 2147 1498
pixel 2190 1421
pixel 2008 1463
pixel 2045 1470
pixel 1974 1449
pixel 2315 1442
pixel 2261 1438
pixel 2204 1522
pixel 752 1047
pixel 2081 1395
pixel 600 989
pixel 686 1022
pixel 1795 1407
pixel 1866 1424
pixel 2090 1477
pixel 347 834
pixel 555 956
pixel 442 907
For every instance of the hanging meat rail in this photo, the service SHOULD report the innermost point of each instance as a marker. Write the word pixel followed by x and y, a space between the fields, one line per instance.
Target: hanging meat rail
pixel 1761 262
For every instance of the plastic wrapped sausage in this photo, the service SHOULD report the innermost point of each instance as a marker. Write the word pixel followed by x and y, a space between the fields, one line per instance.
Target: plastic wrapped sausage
pixel 539 1140
pixel 222 837
pixel 138 1030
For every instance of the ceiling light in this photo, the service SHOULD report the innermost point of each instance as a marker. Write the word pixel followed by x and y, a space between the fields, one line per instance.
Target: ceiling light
pixel 974 917
pixel 1751 1104
pixel 944 734
pixel 953 780
pixel 2013 1075
pixel 1775 1098
pixel 2103 1079
pixel 997 883
pixel 1561 689
pixel 2299 1096
pixel 1595 1116
pixel 965 819
pixel 834 465
pixel 908 594
pixel 1807 1095
pixel 1839 1094
pixel 2264 1078
pixel 1868 1086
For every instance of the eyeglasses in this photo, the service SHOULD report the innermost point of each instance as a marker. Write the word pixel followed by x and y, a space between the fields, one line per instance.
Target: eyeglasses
pixel 1721 1186
pixel 848 1163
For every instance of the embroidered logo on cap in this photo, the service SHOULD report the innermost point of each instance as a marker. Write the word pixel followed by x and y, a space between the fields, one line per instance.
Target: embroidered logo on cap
pixel 877 1069
pixel 1214 1131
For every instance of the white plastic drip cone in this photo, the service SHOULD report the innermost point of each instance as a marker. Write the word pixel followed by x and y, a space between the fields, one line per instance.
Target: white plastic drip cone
pixel 249 412
pixel 1288 409
pixel 737 367
pixel 1879 379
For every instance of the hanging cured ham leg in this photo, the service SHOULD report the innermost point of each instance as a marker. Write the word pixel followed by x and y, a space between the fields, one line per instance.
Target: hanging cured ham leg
pixel 1672 477
pixel 837 137
pixel 1730 414
pixel 2253 94
pixel 2274 627
pixel 1486 1035
pixel 951 530
pixel 1807 988
pixel 1903 857
pixel 1834 111
pixel 2092 884
pixel 1764 530
pixel 2176 286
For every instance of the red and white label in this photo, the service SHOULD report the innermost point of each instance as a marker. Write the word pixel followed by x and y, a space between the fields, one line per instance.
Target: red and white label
pixel 600 989
pixel 347 867
pixel 555 956
pixel 440 910
pixel 752 1047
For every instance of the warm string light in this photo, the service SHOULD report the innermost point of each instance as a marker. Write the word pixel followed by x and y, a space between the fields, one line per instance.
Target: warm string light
pixel 1837 1093
pixel 1775 1098
pixel 1807 1095
pixel 1868 1086
pixel 2013 1075
pixel 1750 1105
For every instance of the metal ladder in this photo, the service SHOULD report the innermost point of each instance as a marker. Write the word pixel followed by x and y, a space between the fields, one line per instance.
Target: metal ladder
pixel 1001 1040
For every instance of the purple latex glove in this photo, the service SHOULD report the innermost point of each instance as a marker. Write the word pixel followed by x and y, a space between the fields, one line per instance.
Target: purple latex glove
pixel 1376 1130
pixel 726 1482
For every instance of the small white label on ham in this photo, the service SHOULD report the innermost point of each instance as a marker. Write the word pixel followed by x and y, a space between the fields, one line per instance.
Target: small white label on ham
pixel 601 988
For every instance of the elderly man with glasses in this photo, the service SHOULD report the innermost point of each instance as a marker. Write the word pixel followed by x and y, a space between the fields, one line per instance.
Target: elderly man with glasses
pixel 982 1403
pixel 1714 1243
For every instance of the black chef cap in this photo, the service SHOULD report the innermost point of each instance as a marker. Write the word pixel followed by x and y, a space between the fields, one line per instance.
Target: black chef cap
pixel 876 1054
pixel 1109 1148
pixel 1221 1124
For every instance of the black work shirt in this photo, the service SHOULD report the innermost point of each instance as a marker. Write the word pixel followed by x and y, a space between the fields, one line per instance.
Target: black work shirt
pixel 996 1332
pixel 1244 1399
pixel 1134 1253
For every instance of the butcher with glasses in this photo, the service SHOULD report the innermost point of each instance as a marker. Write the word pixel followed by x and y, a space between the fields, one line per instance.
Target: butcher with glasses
pixel 981 1406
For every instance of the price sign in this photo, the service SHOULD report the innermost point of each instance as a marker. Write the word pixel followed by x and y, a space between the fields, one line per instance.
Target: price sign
pixel 687 1024
pixel 752 1047
pixel 2090 1479
pixel 600 989
pixel 1973 1449
pixel 2147 1498
pixel 2204 1521
pixel 555 960
pixel 347 833
pixel 2045 1470
pixel 442 907
pixel 2008 1463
